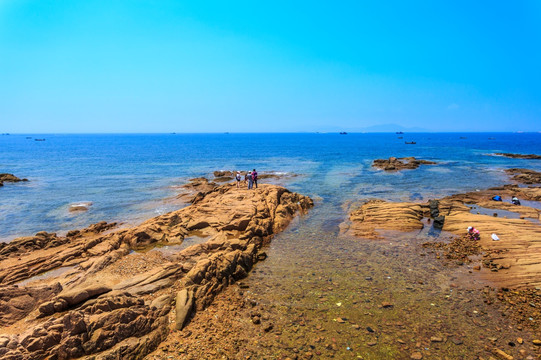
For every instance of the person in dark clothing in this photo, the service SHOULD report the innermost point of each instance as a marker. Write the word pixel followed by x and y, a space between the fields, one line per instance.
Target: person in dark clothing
pixel 254 178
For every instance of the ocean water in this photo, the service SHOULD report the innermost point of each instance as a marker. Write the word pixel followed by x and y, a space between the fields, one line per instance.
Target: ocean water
pixel 128 178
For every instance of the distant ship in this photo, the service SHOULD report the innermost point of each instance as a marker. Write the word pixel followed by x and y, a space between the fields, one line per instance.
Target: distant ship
pixel 39 139
pixel 399 132
pixel 410 142
pixel 343 133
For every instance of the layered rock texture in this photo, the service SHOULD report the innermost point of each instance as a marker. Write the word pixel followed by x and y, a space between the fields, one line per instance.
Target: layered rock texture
pixel 396 164
pixel 9 178
pixel 517 253
pixel 102 300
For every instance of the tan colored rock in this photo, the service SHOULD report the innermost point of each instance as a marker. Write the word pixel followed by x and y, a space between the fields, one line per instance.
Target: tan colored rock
pixel 381 215
pixel 116 305
pixel 184 306
pixel 396 164
pixel 17 302
pixel 525 176
pixel 518 252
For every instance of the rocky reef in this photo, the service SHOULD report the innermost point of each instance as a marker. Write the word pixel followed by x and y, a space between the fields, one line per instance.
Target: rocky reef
pixel 115 293
pixel 519 156
pixel 396 164
pixel 9 178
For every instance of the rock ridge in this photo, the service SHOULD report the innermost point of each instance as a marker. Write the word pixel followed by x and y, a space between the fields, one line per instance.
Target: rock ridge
pixel 112 302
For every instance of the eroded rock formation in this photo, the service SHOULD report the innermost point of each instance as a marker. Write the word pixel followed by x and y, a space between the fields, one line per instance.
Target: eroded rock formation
pixel 114 303
pixel 517 253
pixel 396 164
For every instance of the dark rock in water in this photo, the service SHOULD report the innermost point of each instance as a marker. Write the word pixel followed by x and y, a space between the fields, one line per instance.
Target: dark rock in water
pixel 9 178
pixel 438 222
pixel 519 156
pixel 369 329
pixel 434 208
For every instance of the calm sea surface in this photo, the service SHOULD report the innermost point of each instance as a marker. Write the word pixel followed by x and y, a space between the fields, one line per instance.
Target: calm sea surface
pixel 126 177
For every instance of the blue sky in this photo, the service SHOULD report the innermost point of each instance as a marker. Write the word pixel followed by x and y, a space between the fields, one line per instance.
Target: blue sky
pixel 280 66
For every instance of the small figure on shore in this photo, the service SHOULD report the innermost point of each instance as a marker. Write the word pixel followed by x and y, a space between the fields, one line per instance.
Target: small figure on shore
pixel 250 179
pixel 254 178
pixel 515 200
pixel 497 198
pixel 473 233
pixel 238 178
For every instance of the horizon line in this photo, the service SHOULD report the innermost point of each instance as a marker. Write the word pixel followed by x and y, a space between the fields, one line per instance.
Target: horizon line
pixel 270 132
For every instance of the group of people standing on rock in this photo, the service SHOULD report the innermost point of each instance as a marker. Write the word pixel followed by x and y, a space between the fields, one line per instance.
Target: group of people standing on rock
pixel 250 178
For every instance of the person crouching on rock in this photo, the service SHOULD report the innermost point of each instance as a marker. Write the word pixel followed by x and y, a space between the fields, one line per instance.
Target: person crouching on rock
pixel 473 233
pixel 254 178
pixel 515 200
pixel 238 178
pixel 250 180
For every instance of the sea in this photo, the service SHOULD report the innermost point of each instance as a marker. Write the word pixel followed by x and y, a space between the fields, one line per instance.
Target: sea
pixel 129 178
pixel 317 285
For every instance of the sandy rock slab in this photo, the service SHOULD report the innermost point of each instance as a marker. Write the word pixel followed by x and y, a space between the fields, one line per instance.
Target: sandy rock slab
pixel 382 215
pixel 396 164
pixel 525 176
pixel 117 296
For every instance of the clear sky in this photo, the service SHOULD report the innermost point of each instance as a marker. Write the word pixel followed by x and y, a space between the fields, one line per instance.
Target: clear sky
pixel 275 66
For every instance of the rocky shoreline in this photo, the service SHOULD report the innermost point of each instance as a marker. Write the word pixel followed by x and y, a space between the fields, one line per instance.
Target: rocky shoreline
pixel 108 301
pixel 512 264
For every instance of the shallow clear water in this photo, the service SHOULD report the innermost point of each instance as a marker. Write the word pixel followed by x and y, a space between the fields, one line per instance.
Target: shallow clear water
pixel 127 177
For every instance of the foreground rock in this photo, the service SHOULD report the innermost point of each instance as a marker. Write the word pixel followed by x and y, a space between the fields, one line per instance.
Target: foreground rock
pixel 9 178
pixel 513 261
pixel 115 304
pixel 519 156
pixel 396 164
